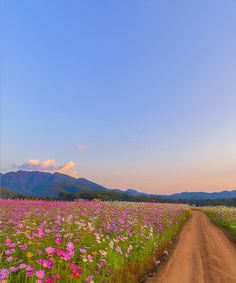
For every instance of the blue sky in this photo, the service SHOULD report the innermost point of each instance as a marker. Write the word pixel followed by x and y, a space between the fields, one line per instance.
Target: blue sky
pixel 137 94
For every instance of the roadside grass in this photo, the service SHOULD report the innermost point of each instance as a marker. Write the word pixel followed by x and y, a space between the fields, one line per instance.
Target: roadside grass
pixel 224 217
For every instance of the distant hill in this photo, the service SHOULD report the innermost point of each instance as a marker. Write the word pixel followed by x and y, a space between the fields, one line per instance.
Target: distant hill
pixel 47 185
pixel 131 192
pixel 204 195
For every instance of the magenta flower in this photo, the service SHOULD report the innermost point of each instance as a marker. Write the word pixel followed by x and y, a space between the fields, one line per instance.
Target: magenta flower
pixel 29 273
pixel 101 263
pixel 108 271
pixel 23 247
pixel 58 241
pixel 4 273
pixel 68 256
pixel 49 280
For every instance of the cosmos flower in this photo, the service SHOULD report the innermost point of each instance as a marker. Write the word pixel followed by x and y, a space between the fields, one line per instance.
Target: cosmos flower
pixel 70 246
pixel 40 274
pixel 47 264
pixel 4 273
pixel 89 279
pixel 50 250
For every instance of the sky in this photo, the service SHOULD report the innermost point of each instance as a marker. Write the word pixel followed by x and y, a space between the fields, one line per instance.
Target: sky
pixel 129 94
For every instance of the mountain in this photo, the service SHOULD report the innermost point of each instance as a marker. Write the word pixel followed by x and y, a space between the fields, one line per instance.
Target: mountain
pixel 91 185
pixel 41 184
pixel 48 185
pixel 203 195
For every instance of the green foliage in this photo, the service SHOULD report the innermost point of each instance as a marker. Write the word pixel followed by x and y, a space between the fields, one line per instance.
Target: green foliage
pixel 206 202
pixel 110 195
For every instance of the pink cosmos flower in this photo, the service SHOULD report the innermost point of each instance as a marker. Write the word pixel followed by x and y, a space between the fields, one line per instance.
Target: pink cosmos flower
pixel 14 268
pixel 47 263
pixel 39 261
pixel 60 253
pixel 68 256
pixel 90 258
pixel 89 279
pixel 29 268
pixel 4 273
pixel 70 246
pixel 22 266
pixel 50 250
pixel 29 273
pixel 8 241
pixel 9 258
pixel 101 263
pixel 40 274
pixel 23 247
pixel 58 241
pixel 118 249
pixel 8 252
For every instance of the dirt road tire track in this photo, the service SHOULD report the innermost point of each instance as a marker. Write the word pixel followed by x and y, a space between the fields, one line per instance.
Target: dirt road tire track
pixel 203 254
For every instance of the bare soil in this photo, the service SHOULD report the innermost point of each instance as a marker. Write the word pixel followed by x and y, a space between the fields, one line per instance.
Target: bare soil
pixel 203 254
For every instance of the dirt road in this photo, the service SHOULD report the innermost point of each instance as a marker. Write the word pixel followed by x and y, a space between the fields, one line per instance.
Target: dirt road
pixel 203 254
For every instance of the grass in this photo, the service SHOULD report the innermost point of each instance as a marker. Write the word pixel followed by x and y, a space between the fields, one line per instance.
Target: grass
pixel 224 217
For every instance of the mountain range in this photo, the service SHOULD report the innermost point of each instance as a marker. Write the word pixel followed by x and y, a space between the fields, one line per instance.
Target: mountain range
pixel 50 185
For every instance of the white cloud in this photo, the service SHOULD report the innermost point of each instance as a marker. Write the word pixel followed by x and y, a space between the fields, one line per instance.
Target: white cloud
pixel 68 168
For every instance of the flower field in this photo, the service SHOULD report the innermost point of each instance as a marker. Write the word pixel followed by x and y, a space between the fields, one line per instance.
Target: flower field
pixel 44 242
pixel 224 217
